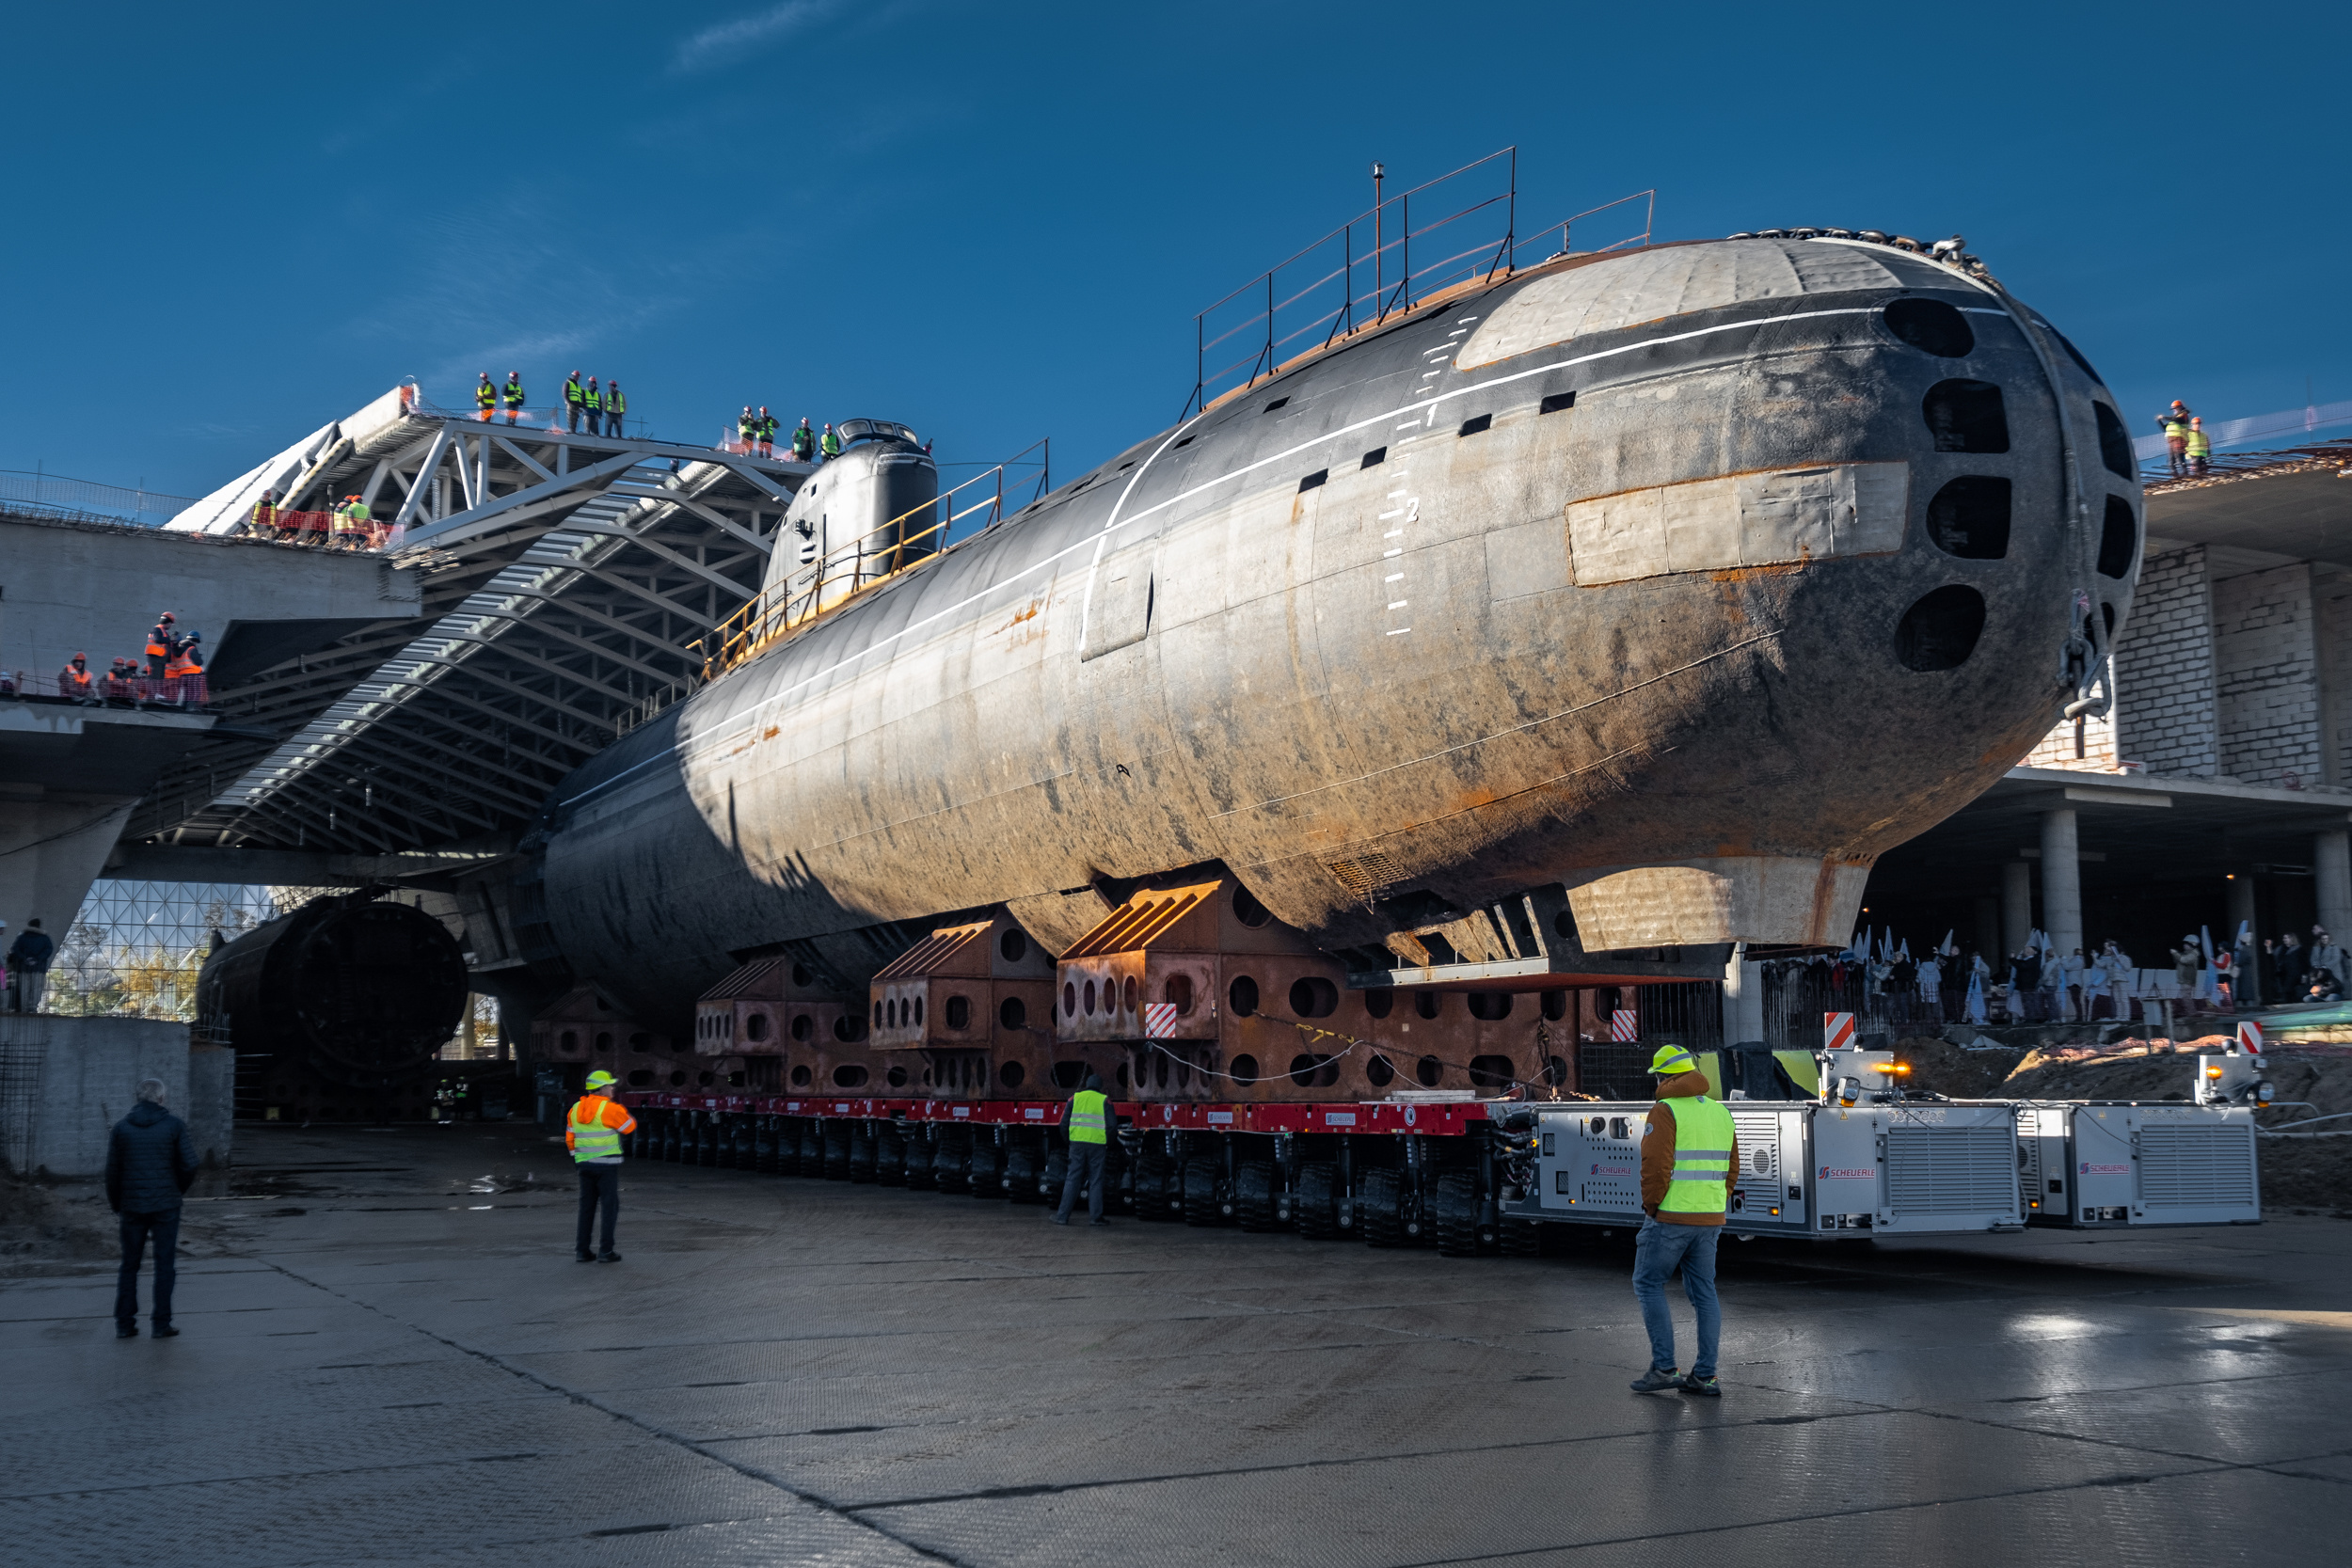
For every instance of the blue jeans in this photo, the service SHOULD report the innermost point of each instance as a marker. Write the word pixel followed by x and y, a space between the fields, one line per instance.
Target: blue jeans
pixel 1656 1251
pixel 1085 1165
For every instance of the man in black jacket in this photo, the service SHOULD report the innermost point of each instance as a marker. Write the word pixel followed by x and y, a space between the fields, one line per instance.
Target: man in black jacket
pixel 150 1159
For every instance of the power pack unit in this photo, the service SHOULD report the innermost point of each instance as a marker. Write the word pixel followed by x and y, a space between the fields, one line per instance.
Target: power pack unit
pixel 1806 1168
pixel 2087 1166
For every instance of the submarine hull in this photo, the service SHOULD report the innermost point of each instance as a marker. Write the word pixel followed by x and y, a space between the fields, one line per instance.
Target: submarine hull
pixel 1689 579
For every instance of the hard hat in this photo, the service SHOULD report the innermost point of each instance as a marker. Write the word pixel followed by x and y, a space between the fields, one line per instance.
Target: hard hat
pixel 601 1080
pixel 166 615
pixel 79 657
pixel 2178 404
pixel 1671 1060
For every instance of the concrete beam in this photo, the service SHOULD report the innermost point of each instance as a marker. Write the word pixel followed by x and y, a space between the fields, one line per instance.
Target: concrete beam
pixel 50 848
pixel 182 863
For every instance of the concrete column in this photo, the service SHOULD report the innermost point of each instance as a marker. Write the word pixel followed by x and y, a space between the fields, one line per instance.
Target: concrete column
pixel 2331 868
pixel 1744 997
pixel 1988 928
pixel 2061 882
pixel 52 847
pixel 2248 984
pixel 2017 907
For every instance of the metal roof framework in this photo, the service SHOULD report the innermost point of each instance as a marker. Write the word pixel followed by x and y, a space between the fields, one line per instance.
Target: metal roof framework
pixel 568 580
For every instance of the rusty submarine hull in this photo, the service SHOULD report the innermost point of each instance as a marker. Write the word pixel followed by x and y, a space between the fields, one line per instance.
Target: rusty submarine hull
pixel 1677 584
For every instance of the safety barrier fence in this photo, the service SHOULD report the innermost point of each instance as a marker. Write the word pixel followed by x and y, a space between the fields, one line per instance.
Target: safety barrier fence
pixel 322 530
pixel 1378 266
pixel 52 493
pixel 872 558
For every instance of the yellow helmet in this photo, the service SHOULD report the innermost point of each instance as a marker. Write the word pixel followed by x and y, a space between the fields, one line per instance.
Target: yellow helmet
pixel 601 1080
pixel 1671 1059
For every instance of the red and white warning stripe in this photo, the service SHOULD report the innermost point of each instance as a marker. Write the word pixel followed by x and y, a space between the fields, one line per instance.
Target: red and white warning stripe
pixel 1837 1031
pixel 1623 1026
pixel 2250 1037
pixel 1159 1021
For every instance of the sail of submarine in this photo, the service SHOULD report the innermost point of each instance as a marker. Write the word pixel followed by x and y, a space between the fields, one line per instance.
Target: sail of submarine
pixel 1690 579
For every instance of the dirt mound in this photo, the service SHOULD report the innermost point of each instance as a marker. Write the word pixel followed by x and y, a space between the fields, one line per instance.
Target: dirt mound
pixel 43 1224
pixel 1942 1067
pixel 2311 1175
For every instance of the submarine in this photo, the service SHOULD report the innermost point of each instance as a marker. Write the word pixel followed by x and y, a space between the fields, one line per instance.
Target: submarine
pixel 1678 583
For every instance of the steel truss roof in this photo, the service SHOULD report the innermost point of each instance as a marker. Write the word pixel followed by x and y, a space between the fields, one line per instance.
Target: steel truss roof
pixel 566 581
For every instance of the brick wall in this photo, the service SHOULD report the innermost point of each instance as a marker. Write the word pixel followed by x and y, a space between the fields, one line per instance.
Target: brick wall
pixel 2331 605
pixel 2267 678
pixel 2165 670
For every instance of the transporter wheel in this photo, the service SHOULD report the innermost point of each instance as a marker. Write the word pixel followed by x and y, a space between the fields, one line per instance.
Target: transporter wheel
pixel 1317 1201
pixel 951 1161
pixel 746 1143
pixel 836 1151
pixel 921 1178
pixel 764 1145
pixel 707 1144
pixel 1056 1165
pixel 670 1137
pixel 1202 1203
pixel 1024 1178
pixel 812 1160
pixel 1157 1197
pixel 1455 1214
pixel 1521 1238
pixel 643 1142
pixel 987 1169
pixel 864 1155
pixel 1380 1207
pixel 890 1155
pixel 1254 1204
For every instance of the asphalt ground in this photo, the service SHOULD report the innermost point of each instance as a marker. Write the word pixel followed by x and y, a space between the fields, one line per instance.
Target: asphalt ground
pixel 390 1355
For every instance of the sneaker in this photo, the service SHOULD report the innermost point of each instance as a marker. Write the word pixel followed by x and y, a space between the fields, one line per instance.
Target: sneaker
pixel 1098 1222
pixel 609 1255
pixel 163 1331
pixel 585 1257
pixel 1656 1380
pixel 1058 1219
pixel 126 1331
pixel 1694 1384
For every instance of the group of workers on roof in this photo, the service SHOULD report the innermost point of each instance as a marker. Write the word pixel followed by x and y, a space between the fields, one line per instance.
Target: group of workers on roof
pixel 757 435
pixel 2184 441
pixel 348 525
pixel 601 403
pixel 173 672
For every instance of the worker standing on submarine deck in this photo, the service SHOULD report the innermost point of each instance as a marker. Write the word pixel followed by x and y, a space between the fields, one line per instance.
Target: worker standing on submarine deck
pixel 1689 1156
pixel 1088 1121
pixel 593 1131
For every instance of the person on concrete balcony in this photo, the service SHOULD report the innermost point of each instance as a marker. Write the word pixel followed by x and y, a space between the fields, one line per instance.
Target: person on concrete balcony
pixel 186 670
pixel 1689 1154
pixel 2053 1004
pixel 803 443
pixel 2025 985
pixel 2199 448
pixel 572 395
pixel 512 395
pixel 615 405
pixel 119 677
pixel 593 1131
pixel 29 968
pixel 1086 1121
pixel 2323 986
pixel 2290 965
pixel 75 681
pixel 159 641
pixel 2325 954
pixel 485 398
pixel 262 523
pixel 151 1163
pixel 2072 968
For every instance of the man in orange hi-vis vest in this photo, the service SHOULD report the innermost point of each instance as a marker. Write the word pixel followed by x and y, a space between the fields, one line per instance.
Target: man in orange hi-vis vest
pixel 593 1131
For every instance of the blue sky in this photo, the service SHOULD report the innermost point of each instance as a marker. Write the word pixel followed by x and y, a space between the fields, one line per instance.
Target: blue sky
pixel 229 225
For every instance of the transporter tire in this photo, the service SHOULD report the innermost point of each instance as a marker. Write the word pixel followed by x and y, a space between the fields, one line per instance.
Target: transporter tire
pixel 1254 1203
pixel 987 1169
pixel 951 1160
pixel 1455 1213
pixel 1158 1196
pixel 1202 1203
pixel 890 1155
pixel 764 1145
pixel 668 1149
pixel 1521 1238
pixel 747 1143
pixel 921 1151
pixel 706 1143
pixel 1024 1180
pixel 836 1151
pixel 812 1161
pixel 1056 1165
pixel 1380 1207
pixel 1317 1202
pixel 864 1154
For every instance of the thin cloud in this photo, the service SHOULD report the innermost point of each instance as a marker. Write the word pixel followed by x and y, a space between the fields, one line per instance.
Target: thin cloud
pixel 723 42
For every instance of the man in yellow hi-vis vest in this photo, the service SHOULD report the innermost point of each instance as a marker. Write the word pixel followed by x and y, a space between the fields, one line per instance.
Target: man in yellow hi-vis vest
pixel 1088 1121
pixel 593 1131
pixel 1690 1156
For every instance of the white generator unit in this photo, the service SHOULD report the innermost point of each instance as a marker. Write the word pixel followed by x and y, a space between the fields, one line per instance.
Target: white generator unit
pixel 1864 1159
